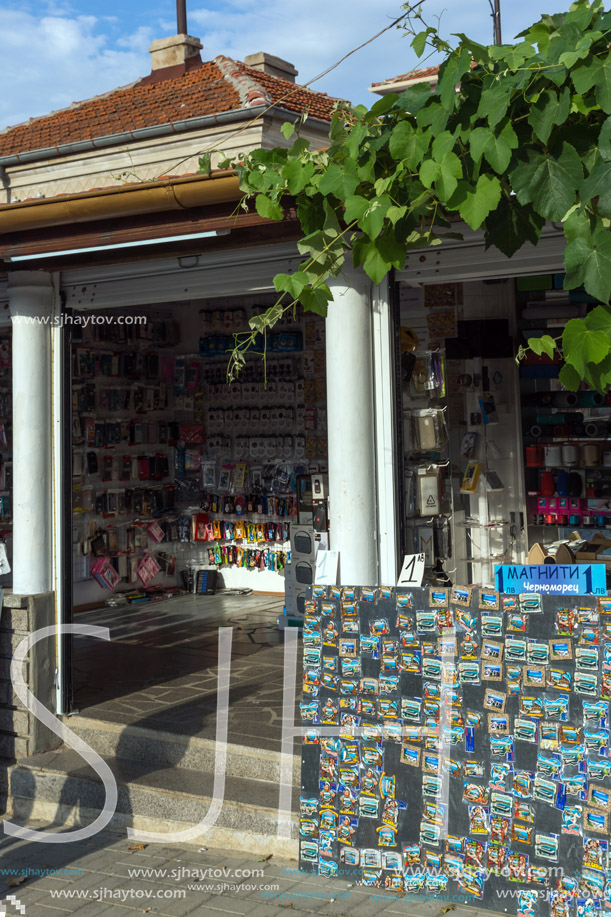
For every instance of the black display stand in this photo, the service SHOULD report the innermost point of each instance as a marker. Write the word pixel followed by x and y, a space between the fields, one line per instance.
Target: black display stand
pixel 527 766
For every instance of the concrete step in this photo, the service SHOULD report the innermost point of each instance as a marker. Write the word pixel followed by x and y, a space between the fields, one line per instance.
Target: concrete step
pixel 164 749
pixel 59 788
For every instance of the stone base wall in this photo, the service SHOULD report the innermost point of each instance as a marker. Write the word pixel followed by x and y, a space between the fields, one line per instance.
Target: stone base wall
pixel 21 734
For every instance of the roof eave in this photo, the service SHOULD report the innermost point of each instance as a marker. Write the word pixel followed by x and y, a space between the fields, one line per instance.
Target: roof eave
pixel 163 195
pixel 202 122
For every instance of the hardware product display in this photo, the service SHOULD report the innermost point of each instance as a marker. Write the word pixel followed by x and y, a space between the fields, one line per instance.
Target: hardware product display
pixel 574 490
pixel 173 466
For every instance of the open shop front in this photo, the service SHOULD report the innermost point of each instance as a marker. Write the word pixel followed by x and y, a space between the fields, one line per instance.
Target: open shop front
pixel 471 761
pixel 184 505
pixel 499 463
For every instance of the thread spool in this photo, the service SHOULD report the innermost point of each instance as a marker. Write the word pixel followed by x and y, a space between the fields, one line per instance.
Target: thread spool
pixel 590 454
pixel 542 398
pixel 550 519
pixel 562 519
pixel 534 455
pixel 574 519
pixel 607 459
pixel 594 429
pixel 553 455
pixel 586 520
pixel 536 431
pixel 590 399
pixel 570 455
pixel 565 399
pixel 560 429
pixel 531 480
pixel 600 520
pixel 578 429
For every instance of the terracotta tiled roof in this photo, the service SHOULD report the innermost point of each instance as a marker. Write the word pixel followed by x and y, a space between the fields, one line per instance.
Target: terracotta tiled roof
pixel 424 74
pixel 216 86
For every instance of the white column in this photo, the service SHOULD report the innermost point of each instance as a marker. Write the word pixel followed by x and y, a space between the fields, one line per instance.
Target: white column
pixel 386 433
pixel 351 431
pixel 31 298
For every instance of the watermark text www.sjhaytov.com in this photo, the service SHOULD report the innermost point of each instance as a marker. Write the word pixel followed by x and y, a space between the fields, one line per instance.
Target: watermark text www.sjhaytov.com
pixel 80 319
pixel 40 871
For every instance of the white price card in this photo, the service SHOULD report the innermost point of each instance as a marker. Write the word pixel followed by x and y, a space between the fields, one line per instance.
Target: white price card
pixel 326 567
pixel 412 570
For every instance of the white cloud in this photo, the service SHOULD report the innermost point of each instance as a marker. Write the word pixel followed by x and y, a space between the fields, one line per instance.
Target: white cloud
pixel 316 34
pixel 50 61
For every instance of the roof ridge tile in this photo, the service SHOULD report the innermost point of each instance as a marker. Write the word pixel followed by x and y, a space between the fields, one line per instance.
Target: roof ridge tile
pixel 250 91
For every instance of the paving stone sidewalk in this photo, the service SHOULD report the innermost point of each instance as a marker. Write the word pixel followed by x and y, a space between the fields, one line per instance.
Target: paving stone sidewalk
pixel 108 875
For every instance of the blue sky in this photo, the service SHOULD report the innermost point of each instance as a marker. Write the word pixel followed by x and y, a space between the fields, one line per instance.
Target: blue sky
pixel 55 52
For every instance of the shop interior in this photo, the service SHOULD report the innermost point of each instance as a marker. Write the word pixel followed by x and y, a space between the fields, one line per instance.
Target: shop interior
pixel 189 494
pixel 184 506
pixel 501 464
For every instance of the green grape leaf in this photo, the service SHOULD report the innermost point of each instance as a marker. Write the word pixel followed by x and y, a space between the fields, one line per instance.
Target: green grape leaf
pixel 451 171
pixel 373 218
pixel 604 141
pixel 267 208
pixel 419 43
pixel 291 283
pixel 297 175
pixel 588 261
pixel 603 84
pixel 550 109
pixel 315 299
pixel 341 181
pixel 356 206
pixel 545 344
pixel 496 148
pixel 407 145
pixel 493 104
pixel 581 346
pixel 598 185
pixel 570 378
pixel 474 204
pixel 450 73
pixel 415 97
pixel 599 319
pixel 511 224
pixel 375 264
pixel 549 181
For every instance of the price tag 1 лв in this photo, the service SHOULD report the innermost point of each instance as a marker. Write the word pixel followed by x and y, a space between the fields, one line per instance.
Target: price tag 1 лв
pixel 412 570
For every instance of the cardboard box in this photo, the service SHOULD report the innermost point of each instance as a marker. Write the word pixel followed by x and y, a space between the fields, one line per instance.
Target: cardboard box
pixel 592 549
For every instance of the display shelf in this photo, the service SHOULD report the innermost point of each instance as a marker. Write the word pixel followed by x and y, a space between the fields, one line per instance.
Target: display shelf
pixel 542 394
pixel 428 512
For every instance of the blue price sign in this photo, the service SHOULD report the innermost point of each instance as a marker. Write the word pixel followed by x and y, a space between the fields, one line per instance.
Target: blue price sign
pixel 552 579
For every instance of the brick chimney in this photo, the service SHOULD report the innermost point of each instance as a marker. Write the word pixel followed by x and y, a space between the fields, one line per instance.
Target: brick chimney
pixel 178 53
pixel 274 66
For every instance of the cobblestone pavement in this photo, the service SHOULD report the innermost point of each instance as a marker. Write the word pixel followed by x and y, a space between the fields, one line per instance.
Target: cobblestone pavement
pixel 111 875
